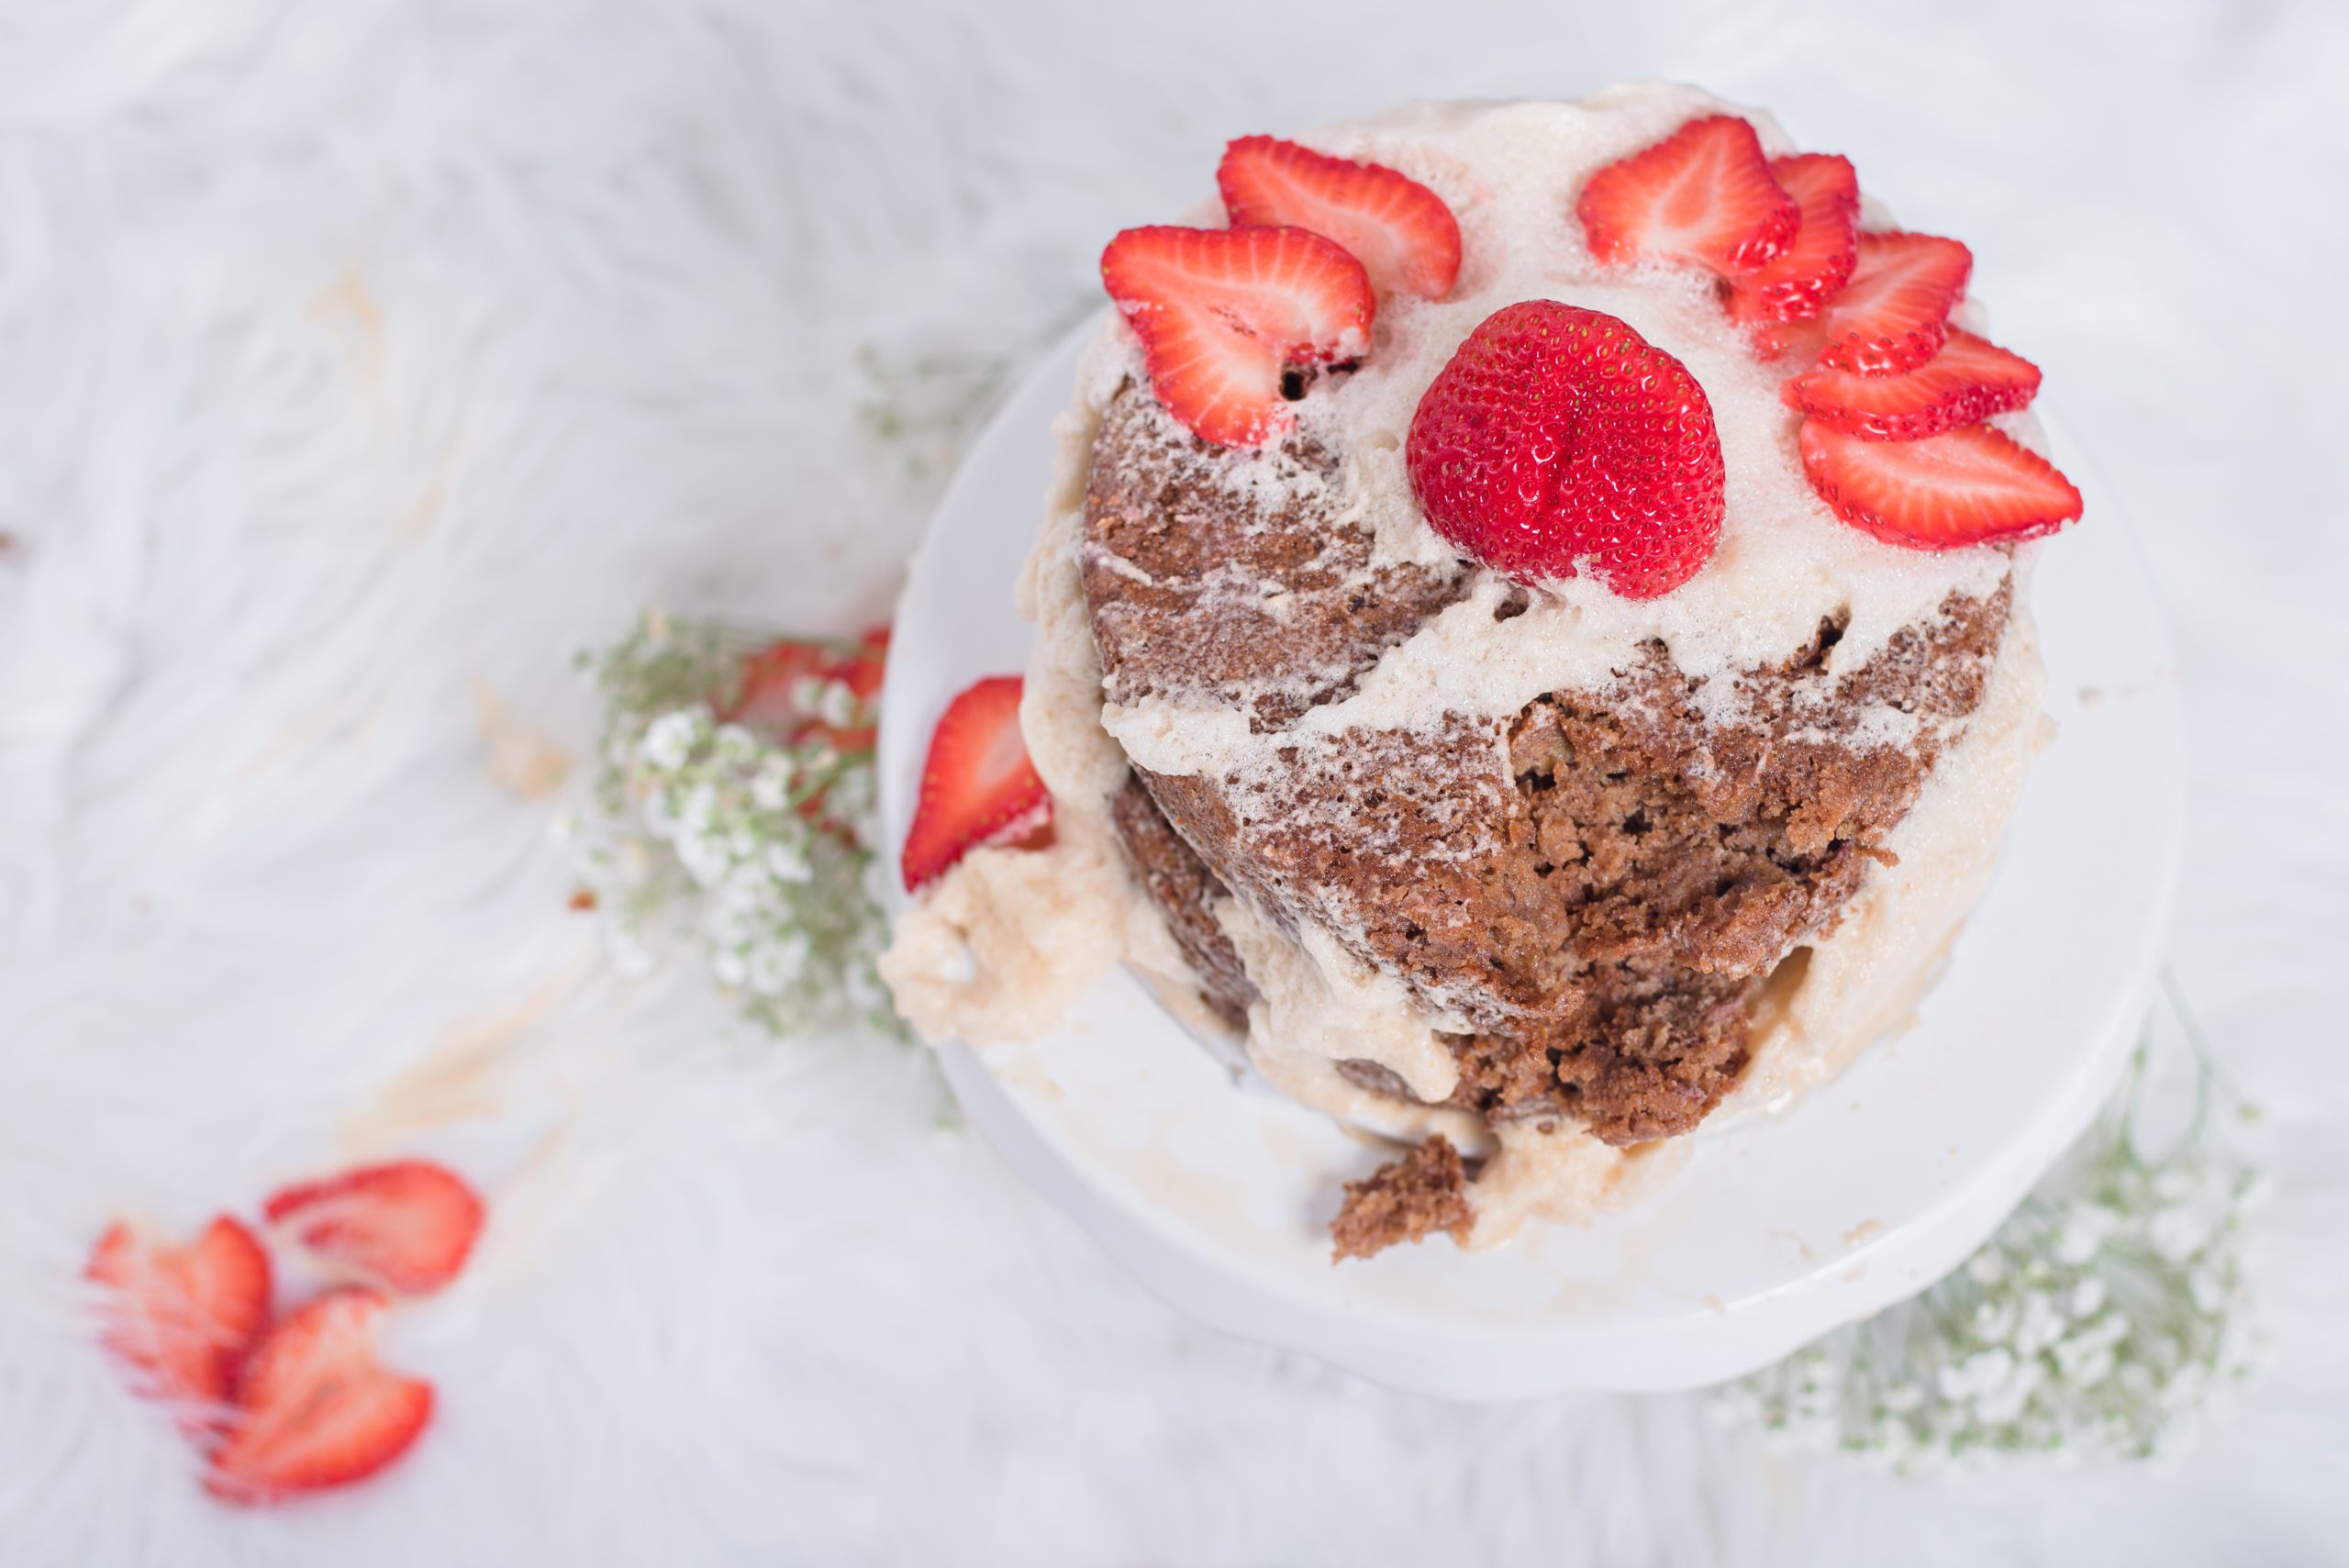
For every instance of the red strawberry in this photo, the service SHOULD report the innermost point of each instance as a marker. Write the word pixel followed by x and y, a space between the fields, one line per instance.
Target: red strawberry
pixel 182 1315
pixel 1400 231
pixel 1969 486
pixel 1894 314
pixel 977 785
pixel 1223 312
pixel 1797 284
pixel 1558 441
pixel 313 1406
pixel 1702 196
pixel 770 700
pixel 406 1226
pixel 861 669
pixel 1968 381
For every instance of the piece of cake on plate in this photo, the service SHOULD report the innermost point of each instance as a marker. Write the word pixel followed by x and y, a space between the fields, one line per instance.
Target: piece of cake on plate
pixel 1532 640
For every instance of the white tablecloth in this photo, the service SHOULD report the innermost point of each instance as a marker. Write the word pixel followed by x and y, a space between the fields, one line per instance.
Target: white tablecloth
pixel 359 362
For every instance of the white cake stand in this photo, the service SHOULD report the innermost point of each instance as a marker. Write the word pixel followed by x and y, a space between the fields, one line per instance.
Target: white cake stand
pixel 1214 1193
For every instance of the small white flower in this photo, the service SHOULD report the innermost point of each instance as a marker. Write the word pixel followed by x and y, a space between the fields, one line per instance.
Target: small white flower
pixel 770 786
pixel 2178 1232
pixel 776 966
pixel 2086 1228
pixel 2209 1291
pixel 2084 1372
pixel 728 967
pixel 1983 1373
pixel 2040 1324
pixel 735 746
pixel 1986 1267
pixel 2006 1401
pixel 704 858
pixel 836 705
pixel 2087 1297
pixel 670 740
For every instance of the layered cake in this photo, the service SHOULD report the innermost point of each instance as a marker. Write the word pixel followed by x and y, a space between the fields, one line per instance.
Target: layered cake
pixel 1533 645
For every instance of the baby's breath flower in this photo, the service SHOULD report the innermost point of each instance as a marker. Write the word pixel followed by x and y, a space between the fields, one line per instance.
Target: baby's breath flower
pixel 2099 1321
pixel 754 849
pixel 669 739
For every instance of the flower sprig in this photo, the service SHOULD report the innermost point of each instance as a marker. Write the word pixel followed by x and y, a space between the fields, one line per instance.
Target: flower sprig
pixel 2096 1323
pixel 732 813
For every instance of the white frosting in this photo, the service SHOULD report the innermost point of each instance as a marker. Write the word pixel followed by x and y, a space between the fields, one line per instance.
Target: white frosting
pixel 994 953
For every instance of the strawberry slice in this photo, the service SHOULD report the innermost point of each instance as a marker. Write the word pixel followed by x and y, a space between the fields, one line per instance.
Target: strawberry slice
pixel 313 1406
pixel 1224 313
pixel 774 691
pixel 406 1228
pixel 861 669
pixel 1702 196
pixel 769 701
pixel 1894 314
pixel 1797 284
pixel 977 785
pixel 1398 229
pixel 1969 486
pixel 182 1315
pixel 1967 382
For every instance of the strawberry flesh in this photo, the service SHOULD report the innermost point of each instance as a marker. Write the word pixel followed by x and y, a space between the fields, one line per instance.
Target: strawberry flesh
pixel 773 687
pixel 1974 486
pixel 1224 313
pixel 182 1316
pixel 1797 284
pixel 978 786
pixel 1894 314
pixel 1401 232
pixel 769 701
pixel 406 1228
pixel 1703 197
pixel 313 1406
pixel 1967 382
pixel 1558 441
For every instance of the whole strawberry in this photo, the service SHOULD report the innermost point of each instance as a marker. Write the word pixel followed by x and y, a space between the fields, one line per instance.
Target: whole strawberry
pixel 1559 441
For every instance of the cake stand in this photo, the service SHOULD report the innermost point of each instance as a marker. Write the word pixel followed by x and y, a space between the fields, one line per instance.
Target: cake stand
pixel 1214 1192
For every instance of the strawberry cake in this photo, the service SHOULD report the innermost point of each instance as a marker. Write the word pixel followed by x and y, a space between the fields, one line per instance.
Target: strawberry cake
pixel 1533 645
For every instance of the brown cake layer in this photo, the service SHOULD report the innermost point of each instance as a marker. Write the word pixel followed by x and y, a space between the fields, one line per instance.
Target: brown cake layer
pixel 1229 599
pixel 1185 891
pixel 1596 887
pixel 1404 1199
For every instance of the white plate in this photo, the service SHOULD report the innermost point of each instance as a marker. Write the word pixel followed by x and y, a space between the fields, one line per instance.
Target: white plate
pixel 1215 1193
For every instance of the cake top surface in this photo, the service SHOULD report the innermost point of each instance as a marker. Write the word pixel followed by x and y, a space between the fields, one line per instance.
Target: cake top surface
pixel 1784 564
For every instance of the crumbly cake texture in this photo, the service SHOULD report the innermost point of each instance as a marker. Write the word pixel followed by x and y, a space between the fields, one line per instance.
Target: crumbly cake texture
pixel 1548 872
pixel 1403 1200
pixel 1595 885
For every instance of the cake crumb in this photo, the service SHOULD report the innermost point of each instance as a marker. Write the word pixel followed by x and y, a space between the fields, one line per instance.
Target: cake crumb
pixel 1403 1200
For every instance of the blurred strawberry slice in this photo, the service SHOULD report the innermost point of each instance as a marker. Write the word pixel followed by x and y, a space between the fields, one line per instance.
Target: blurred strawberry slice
pixel 182 1316
pixel 313 1406
pixel 406 1226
